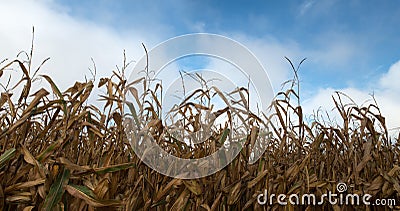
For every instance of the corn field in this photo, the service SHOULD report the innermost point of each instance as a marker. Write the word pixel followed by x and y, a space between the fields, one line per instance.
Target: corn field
pixel 60 152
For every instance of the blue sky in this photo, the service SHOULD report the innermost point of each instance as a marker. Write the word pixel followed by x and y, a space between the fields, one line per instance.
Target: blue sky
pixel 365 31
pixel 350 46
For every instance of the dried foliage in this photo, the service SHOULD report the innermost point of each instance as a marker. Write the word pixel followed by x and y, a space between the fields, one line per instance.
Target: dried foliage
pixel 59 152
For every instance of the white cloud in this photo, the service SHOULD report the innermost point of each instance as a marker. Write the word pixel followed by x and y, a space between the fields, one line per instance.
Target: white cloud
pixel 389 81
pixel 69 42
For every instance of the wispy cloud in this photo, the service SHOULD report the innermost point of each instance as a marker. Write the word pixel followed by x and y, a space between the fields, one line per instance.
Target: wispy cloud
pixel 198 26
pixel 337 52
pixel 306 6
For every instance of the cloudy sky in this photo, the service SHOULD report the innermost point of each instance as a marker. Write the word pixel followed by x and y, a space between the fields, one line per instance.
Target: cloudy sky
pixel 350 45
